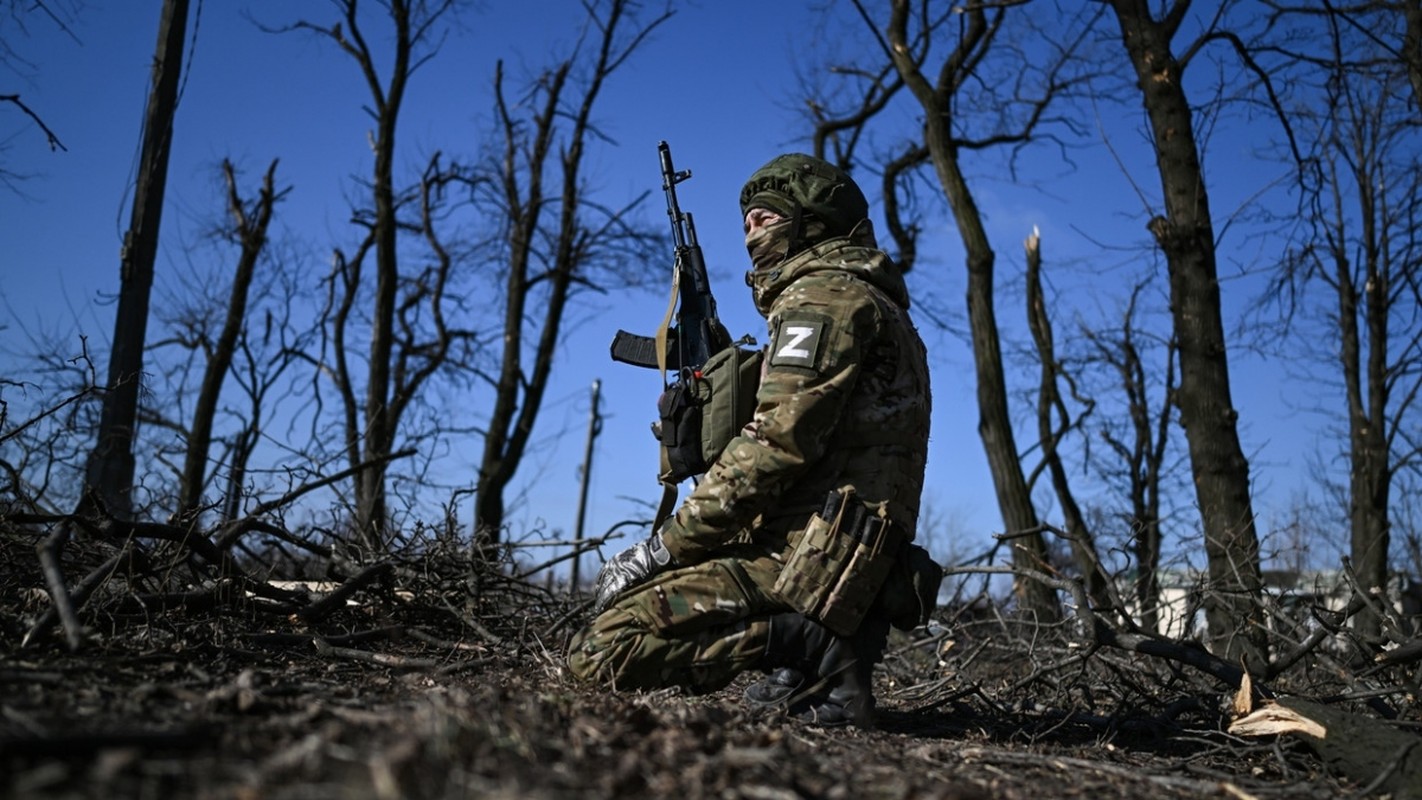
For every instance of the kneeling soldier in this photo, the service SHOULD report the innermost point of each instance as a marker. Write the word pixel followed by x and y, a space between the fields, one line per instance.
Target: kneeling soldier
pixel 791 555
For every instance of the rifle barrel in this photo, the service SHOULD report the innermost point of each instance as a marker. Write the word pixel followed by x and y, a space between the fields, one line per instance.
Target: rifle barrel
pixel 670 178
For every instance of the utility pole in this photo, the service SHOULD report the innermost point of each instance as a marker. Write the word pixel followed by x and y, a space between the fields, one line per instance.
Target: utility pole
pixel 108 476
pixel 594 428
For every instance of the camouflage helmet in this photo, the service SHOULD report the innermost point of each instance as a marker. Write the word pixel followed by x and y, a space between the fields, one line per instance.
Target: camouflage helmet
pixel 798 182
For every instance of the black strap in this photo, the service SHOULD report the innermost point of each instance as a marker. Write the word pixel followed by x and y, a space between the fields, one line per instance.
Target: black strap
pixel 665 508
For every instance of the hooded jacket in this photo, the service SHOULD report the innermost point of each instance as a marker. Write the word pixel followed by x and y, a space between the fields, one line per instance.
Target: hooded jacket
pixel 844 400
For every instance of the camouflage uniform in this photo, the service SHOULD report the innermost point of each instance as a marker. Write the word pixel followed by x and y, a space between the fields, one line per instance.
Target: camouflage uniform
pixel 843 400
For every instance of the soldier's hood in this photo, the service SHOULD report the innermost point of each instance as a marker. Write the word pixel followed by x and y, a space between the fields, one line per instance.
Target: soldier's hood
pixel 840 254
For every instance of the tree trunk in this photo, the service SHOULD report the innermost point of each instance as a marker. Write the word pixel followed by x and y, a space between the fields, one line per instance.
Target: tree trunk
pixel 108 480
pixel 1014 499
pixel 1185 235
pixel 1366 386
pixel 370 440
pixel 528 148
pixel 1145 490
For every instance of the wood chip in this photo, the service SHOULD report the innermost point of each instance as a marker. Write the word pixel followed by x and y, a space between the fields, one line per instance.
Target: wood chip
pixel 1275 719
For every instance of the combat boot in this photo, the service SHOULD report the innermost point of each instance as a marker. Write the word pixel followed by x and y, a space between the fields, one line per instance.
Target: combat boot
pixel 777 688
pixel 847 672
pixel 819 676
pixel 794 648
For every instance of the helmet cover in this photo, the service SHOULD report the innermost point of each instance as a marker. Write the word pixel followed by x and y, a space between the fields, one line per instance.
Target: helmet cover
pixel 797 182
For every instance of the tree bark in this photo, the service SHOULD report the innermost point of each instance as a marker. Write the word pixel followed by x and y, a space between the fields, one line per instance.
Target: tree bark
pixel 1365 307
pixel 1365 386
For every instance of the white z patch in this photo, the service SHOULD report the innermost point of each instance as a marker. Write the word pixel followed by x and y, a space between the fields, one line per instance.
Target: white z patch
pixel 797 343
pixel 792 349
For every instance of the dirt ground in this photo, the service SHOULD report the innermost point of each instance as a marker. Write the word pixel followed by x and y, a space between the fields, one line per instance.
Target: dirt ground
pixel 440 687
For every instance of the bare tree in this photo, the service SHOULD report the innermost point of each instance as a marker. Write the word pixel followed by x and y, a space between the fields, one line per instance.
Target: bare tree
pixel 264 354
pixel 46 421
pixel 1054 423
pixel 1361 185
pixel 401 356
pixel 554 239
pixel 1137 443
pixel 546 244
pixel 1184 231
pixel 965 107
pixel 229 329
pixel 249 229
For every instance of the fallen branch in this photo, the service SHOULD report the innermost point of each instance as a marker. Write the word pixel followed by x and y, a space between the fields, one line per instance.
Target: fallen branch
pixel 289 497
pixel 434 641
pixel 1365 749
pixel 62 606
pixel 484 633
pixel 302 639
pixel 1405 653
pixel 338 598
pixel 1099 633
pixel 230 532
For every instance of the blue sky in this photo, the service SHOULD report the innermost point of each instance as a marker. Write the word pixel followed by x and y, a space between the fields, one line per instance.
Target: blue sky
pixel 718 82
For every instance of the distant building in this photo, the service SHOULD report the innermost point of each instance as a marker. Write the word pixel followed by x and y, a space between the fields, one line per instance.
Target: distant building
pixel 1291 592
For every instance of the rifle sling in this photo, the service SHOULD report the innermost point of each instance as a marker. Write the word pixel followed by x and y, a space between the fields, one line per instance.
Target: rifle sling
pixel 669 493
pixel 666 323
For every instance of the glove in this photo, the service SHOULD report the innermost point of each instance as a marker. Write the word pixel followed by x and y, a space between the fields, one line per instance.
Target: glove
pixel 629 568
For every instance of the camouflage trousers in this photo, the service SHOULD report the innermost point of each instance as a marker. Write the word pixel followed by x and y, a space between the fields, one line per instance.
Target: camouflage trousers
pixel 696 627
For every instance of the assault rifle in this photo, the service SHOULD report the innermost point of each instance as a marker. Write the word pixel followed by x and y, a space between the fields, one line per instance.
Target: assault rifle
pixel 698 333
pixel 712 395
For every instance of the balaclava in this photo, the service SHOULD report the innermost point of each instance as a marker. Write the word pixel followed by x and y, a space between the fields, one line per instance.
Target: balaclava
pixel 818 201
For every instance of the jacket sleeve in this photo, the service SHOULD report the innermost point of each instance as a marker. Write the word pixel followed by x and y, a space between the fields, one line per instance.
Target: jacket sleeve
pixel 818 336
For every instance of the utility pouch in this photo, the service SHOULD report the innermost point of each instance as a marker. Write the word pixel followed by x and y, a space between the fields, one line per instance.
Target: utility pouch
pixel 704 409
pixel 839 563
pixel 910 595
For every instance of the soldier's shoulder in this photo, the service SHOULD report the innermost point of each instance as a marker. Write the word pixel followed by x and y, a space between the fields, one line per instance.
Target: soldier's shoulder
pixel 830 287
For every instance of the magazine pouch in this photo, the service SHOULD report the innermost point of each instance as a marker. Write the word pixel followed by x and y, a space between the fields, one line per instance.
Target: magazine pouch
pixel 840 561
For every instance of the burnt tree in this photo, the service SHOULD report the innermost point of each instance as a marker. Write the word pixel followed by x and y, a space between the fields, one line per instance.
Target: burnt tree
pixel 399 357
pixel 1357 264
pixel 108 477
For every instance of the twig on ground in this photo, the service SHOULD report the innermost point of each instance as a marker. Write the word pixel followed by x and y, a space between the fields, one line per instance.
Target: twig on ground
pixel 379 659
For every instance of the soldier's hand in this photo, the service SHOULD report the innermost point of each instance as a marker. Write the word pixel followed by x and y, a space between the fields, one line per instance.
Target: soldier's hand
pixel 629 568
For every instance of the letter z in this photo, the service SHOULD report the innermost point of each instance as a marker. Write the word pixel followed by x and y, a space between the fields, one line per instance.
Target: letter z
pixel 796 344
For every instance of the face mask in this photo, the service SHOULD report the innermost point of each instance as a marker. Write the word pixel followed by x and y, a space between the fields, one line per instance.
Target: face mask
pixel 768 246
